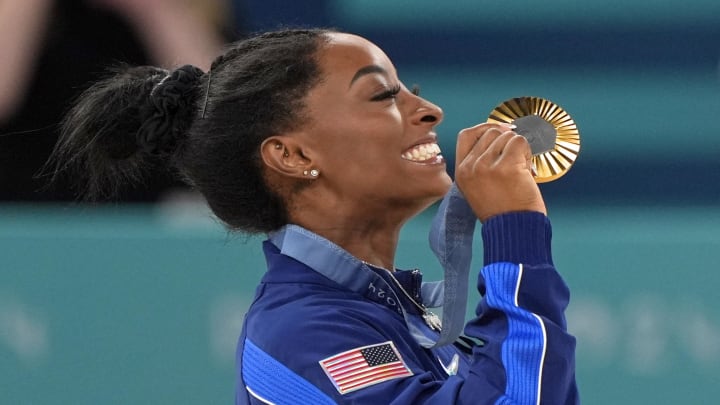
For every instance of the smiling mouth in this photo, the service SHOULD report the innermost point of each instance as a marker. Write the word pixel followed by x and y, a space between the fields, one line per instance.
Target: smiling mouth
pixel 425 153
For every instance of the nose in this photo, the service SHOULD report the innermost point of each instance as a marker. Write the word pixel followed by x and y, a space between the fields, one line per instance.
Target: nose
pixel 427 113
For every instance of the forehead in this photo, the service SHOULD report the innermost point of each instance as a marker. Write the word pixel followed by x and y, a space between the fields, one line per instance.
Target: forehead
pixel 344 54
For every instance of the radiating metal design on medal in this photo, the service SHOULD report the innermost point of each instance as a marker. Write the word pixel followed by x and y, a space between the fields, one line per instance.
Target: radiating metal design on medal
pixel 553 136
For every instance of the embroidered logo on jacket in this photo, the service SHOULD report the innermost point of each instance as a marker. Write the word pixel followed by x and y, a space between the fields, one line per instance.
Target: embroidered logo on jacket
pixel 365 366
pixel 452 368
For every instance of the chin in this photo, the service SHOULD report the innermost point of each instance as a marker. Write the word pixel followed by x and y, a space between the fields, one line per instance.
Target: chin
pixel 437 192
pixel 444 185
pixel 423 194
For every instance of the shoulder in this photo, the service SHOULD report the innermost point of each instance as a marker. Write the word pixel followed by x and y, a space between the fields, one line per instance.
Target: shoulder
pixel 295 333
pixel 309 313
pixel 294 300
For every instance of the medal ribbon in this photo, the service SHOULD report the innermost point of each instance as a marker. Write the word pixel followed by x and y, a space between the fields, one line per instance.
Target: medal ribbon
pixel 451 239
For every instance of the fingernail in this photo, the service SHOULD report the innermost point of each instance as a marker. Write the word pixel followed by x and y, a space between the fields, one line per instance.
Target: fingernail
pixel 509 125
pixel 533 170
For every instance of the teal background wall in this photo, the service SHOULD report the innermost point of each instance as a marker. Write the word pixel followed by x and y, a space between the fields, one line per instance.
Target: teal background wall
pixel 143 304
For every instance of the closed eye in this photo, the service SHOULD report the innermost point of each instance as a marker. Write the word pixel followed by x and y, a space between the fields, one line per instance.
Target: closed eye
pixel 387 94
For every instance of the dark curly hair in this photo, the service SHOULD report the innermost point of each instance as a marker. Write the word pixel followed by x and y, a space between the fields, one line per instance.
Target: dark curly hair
pixel 208 127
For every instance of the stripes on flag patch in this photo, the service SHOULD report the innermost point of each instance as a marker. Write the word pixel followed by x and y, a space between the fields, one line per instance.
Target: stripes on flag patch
pixel 365 366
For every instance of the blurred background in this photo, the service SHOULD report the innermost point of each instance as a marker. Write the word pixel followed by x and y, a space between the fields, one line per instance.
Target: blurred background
pixel 142 300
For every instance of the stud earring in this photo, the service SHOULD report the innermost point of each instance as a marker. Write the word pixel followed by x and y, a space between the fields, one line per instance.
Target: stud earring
pixel 314 172
pixel 278 146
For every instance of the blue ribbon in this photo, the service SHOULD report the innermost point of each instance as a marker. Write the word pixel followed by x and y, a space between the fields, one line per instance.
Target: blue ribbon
pixel 451 239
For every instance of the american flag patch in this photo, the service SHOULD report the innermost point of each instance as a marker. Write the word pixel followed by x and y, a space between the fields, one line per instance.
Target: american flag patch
pixel 365 366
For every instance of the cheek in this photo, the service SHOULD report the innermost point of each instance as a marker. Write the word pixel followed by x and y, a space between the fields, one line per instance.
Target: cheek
pixel 379 136
pixel 384 129
pixel 359 134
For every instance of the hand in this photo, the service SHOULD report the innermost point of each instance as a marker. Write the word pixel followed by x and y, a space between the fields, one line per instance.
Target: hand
pixel 493 170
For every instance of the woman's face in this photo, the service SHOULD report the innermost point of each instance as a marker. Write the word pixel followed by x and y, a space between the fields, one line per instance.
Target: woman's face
pixel 372 139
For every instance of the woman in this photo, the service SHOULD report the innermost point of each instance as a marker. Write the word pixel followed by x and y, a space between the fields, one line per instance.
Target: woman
pixel 309 136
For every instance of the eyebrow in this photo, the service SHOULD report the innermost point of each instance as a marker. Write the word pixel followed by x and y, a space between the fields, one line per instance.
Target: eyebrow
pixel 366 71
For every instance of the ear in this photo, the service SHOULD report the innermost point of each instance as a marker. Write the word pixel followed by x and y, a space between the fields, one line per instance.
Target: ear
pixel 285 155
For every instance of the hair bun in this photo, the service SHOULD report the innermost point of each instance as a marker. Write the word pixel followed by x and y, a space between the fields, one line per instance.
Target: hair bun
pixel 171 110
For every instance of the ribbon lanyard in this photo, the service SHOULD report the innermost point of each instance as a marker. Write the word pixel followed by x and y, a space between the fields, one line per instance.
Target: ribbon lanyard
pixel 451 241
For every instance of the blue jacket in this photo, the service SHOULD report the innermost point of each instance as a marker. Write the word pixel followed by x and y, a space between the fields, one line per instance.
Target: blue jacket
pixel 310 340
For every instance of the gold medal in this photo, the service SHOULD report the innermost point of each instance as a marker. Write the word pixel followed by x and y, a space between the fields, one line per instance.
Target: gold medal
pixel 553 136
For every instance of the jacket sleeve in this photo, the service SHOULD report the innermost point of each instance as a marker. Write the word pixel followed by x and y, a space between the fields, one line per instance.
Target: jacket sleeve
pixel 527 356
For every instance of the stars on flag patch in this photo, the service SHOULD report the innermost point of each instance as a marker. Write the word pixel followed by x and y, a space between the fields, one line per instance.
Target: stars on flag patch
pixel 365 366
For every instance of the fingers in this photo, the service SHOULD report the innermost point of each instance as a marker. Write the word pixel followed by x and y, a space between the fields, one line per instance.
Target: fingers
pixel 494 172
pixel 519 146
pixel 495 143
pixel 499 147
pixel 470 137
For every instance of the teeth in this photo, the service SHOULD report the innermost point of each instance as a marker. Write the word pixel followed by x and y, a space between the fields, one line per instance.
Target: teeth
pixel 422 153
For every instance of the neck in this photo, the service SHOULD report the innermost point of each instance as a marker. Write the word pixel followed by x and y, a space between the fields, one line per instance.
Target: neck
pixel 368 229
pixel 373 245
pixel 370 238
